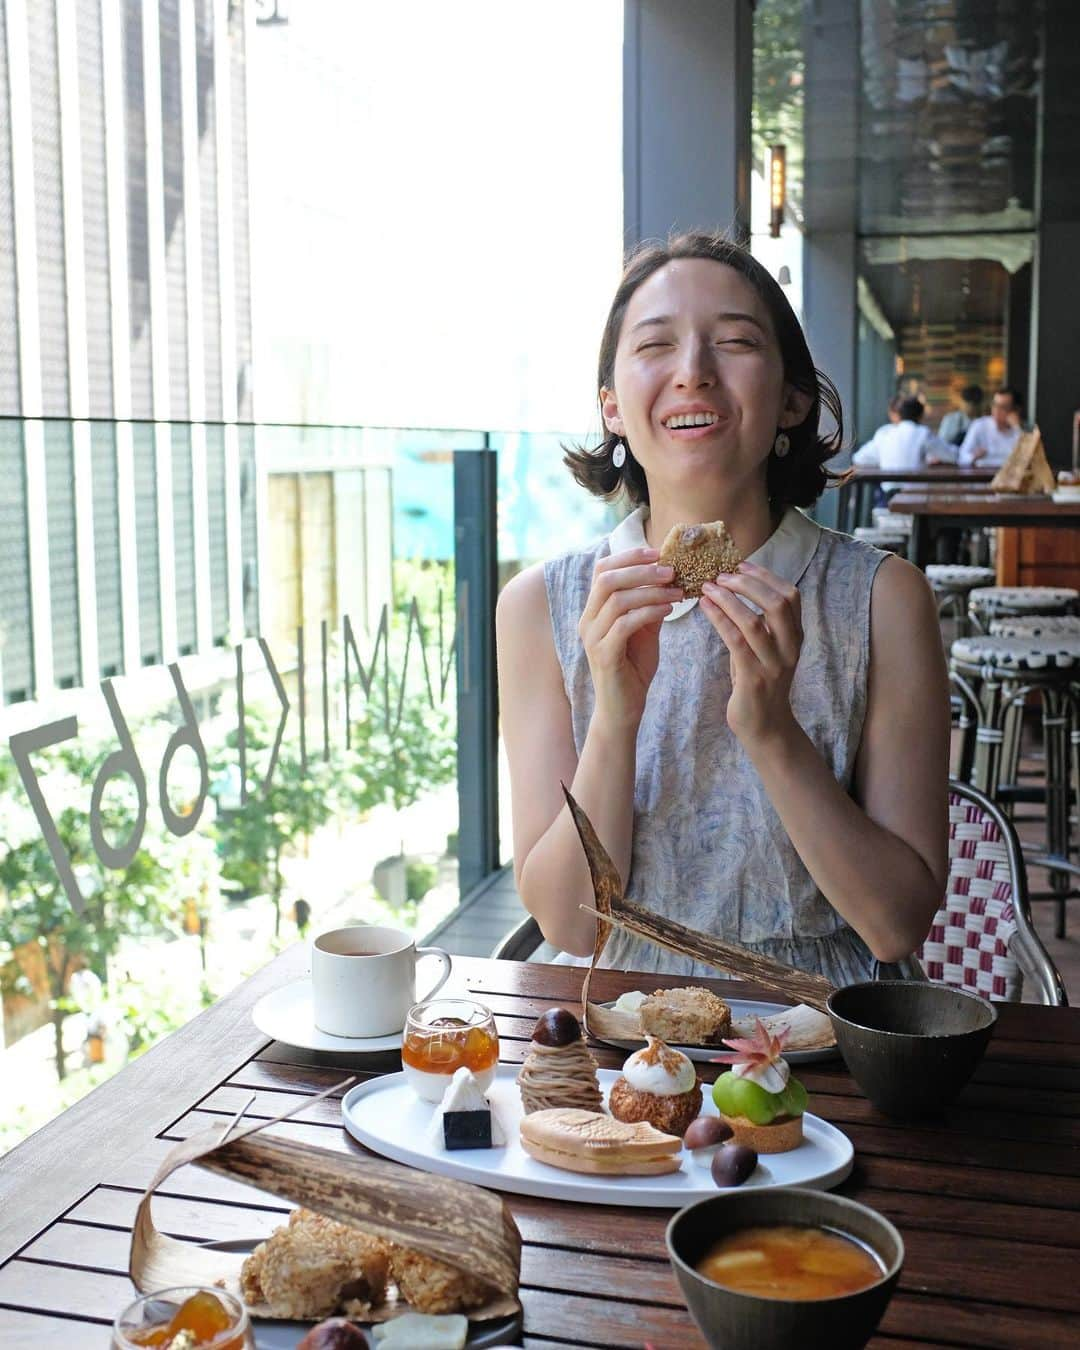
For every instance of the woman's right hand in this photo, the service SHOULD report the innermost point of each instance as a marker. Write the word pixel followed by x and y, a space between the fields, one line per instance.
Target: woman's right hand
pixel 620 629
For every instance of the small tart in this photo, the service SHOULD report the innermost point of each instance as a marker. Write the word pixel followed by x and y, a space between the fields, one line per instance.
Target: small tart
pixel 780 1136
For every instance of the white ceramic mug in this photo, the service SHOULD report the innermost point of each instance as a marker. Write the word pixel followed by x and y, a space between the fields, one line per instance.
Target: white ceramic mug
pixel 363 979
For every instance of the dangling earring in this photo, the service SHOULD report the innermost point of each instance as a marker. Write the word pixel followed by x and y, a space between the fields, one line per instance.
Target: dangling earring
pixel 781 445
pixel 618 455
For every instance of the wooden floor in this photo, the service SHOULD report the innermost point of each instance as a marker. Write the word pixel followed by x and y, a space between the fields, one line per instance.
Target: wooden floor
pixel 475 928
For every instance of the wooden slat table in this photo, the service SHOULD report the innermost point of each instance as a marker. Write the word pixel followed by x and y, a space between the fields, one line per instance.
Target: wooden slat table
pixel 986 1199
pixel 856 496
pixel 975 509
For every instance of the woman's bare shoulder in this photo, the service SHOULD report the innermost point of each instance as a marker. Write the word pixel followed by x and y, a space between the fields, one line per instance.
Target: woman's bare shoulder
pixel 901 596
pixel 523 598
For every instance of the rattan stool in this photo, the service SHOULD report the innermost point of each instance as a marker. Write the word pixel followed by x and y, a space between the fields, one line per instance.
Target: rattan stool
pixel 889 541
pixel 1008 602
pixel 995 675
pixel 892 522
pixel 952 586
pixel 1035 625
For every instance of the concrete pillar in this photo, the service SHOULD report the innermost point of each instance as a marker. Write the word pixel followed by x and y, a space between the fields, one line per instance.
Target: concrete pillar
pixel 687 80
pixel 830 200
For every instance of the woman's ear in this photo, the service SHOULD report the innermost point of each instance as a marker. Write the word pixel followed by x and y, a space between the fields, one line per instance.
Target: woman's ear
pixel 795 408
pixel 609 406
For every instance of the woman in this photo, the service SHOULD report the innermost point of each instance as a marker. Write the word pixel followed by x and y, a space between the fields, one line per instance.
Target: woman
pixel 769 764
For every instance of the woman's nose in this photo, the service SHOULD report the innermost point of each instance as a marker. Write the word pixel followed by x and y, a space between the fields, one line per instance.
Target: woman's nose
pixel 696 368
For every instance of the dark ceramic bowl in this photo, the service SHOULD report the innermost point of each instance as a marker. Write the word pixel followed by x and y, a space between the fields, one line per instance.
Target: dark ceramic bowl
pixel 733 1321
pixel 910 1046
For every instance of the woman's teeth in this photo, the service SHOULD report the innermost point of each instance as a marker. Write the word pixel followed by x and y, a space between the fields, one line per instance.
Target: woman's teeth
pixel 691 420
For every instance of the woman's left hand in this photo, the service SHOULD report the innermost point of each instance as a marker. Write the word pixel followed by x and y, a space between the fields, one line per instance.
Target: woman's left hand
pixel 764 648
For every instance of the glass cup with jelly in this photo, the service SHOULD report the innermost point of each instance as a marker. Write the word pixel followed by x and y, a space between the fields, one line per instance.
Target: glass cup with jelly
pixel 212 1319
pixel 443 1035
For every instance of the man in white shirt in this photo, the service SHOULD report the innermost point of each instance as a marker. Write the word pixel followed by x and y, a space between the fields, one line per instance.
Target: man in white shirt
pixel 904 445
pixel 990 440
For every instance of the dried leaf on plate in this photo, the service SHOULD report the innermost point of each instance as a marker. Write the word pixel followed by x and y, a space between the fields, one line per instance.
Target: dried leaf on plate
pixel 613 909
pixel 469 1228
pixel 807 1028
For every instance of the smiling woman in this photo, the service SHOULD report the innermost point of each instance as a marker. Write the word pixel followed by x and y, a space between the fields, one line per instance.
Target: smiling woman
pixel 768 763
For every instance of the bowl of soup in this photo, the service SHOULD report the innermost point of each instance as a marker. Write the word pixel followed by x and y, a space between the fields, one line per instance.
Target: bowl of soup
pixel 910 1045
pixel 785 1269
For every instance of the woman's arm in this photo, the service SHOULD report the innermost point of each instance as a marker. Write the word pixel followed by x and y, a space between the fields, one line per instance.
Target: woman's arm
pixel 620 633
pixel 880 857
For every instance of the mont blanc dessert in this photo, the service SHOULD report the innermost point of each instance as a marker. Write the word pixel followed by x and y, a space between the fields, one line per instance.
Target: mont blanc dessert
pixel 658 1085
pixel 758 1097
pixel 558 1070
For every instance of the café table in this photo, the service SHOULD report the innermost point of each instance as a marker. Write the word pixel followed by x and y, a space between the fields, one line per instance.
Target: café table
pixel 985 1198
pixel 973 509
pixel 856 495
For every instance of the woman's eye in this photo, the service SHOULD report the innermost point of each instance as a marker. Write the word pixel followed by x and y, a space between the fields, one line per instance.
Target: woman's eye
pixel 736 342
pixel 645 346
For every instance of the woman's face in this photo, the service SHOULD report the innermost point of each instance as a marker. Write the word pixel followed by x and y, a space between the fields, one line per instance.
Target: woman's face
pixel 699 384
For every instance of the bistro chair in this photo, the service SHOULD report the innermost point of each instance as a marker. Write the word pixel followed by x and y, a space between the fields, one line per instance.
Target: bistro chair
pixel 982 938
pixel 995 676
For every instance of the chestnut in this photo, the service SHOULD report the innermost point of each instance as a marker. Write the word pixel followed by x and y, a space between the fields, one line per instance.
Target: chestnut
pixel 556 1027
pixel 707 1132
pixel 733 1164
pixel 336 1334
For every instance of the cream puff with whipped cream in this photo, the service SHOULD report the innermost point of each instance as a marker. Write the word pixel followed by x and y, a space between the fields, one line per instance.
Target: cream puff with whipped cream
pixel 658 1085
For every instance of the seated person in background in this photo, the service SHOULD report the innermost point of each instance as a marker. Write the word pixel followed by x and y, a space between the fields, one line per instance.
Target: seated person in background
pixel 766 762
pixel 954 424
pixel 906 445
pixel 989 440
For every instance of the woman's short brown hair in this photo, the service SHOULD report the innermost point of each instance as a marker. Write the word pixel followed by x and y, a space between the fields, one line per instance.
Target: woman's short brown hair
pixel 799 478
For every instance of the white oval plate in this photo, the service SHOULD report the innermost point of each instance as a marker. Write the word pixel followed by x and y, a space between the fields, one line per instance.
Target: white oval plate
pixel 387 1116
pixel 288 1015
pixel 740 1007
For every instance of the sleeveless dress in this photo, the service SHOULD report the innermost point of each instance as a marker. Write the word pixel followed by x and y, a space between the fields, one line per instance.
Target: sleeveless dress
pixel 708 847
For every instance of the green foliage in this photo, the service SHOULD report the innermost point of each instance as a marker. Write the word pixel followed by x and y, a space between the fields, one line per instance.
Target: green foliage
pixel 419 879
pixel 253 837
pixel 117 904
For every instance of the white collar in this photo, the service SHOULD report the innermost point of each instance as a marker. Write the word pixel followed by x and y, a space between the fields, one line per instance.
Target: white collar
pixel 787 551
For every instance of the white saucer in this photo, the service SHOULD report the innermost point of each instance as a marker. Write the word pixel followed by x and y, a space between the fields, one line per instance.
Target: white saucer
pixel 288 1015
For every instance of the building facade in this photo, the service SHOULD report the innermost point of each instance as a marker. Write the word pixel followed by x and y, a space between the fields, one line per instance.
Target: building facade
pixel 128 486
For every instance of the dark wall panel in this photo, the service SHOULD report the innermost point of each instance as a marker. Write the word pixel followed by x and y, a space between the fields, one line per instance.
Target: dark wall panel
pixel 208 207
pixel 107 551
pixel 175 223
pixel 95 213
pixel 183 539
pixel 146 538
pixel 249 531
pixel 138 245
pixel 63 578
pixel 10 400
pixel 241 243
pixel 219 559
pixel 49 207
pixel 16 641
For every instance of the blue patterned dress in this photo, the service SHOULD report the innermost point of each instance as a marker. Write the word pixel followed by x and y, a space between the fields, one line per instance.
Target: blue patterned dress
pixel 709 849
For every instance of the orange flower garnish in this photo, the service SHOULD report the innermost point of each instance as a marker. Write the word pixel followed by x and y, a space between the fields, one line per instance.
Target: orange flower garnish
pixel 758 1051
